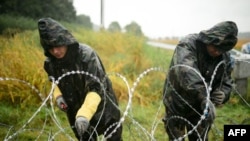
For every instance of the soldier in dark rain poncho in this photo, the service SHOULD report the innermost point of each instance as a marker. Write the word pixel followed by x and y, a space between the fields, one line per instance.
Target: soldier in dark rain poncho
pixel 185 95
pixel 91 106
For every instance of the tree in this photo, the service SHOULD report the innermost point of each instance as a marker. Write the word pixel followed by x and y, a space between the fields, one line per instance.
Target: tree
pixel 114 27
pixel 85 21
pixel 35 9
pixel 134 28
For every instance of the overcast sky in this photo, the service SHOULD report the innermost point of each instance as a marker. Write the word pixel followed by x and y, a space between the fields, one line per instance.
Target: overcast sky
pixel 161 18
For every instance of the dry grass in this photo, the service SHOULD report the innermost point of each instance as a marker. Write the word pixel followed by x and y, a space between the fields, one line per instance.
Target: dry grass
pixel 120 53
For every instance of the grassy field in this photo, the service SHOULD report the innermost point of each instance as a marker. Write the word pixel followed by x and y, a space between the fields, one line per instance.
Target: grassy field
pixel 141 122
pixel 23 83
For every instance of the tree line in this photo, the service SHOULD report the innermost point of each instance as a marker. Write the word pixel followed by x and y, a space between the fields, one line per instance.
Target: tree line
pixel 61 10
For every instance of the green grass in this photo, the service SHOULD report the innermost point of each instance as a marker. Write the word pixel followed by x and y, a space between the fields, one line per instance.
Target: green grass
pixel 141 121
pixel 229 114
pixel 28 123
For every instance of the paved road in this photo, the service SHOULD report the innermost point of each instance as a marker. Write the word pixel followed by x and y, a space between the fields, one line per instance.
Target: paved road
pixel 161 45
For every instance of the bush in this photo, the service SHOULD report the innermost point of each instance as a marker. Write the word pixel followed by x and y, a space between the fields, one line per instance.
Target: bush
pixel 10 25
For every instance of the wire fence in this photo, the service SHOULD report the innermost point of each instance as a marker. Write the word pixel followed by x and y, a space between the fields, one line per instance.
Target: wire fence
pixel 47 109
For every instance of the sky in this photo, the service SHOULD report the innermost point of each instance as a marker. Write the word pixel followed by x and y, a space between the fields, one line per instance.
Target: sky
pixel 167 18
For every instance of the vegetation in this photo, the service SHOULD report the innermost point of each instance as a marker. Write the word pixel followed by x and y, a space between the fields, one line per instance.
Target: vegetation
pixel 35 9
pixel 114 27
pixel 24 84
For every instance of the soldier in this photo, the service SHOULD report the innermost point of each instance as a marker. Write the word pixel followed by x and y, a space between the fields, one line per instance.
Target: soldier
pixel 185 94
pixel 91 107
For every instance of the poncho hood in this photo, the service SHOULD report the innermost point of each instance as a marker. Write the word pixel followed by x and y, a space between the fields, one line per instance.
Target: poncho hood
pixel 53 34
pixel 223 36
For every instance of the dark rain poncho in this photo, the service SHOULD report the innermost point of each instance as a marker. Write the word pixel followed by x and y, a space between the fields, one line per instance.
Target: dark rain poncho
pixel 74 87
pixel 183 85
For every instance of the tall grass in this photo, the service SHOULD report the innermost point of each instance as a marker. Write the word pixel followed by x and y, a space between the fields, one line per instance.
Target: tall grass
pixel 21 58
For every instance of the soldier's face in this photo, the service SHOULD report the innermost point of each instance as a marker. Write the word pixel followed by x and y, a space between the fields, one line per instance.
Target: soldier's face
pixel 213 51
pixel 58 52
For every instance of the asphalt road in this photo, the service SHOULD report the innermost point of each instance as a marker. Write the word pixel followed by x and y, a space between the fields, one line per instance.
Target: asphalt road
pixel 161 45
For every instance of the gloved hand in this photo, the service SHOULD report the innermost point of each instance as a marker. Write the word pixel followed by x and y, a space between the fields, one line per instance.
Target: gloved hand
pixel 217 97
pixel 61 104
pixel 81 125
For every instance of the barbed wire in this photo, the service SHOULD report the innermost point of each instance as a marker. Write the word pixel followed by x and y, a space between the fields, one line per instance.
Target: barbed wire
pixel 150 135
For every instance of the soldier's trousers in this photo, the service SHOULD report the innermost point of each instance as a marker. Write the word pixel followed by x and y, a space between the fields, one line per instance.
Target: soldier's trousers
pixel 176 127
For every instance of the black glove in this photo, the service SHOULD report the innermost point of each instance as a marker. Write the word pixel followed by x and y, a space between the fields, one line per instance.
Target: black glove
pixel 217 97
pixel 61 104
pixel 81 125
